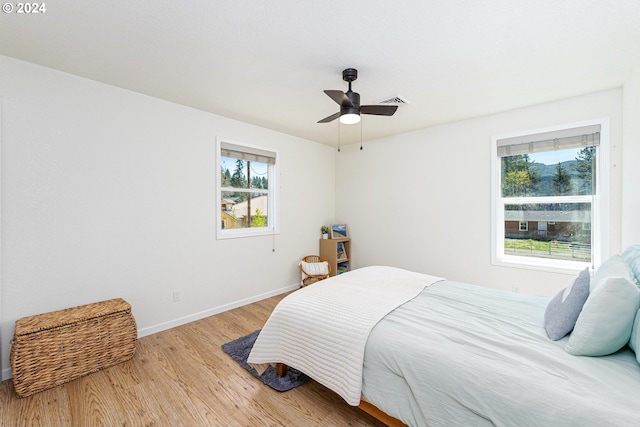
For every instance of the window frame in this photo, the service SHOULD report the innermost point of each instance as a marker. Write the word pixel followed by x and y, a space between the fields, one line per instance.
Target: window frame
pixel 272 227
pixel 600 205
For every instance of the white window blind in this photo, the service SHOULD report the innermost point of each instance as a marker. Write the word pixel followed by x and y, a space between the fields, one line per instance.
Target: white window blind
pixel 247 153
pixel 585 136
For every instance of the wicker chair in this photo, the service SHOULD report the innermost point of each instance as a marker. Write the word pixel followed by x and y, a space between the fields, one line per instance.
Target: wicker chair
pixel 314 268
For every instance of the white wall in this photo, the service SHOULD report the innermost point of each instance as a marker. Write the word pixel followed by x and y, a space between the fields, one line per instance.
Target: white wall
pixel 422 200
pixel 108 193
pixel 631 161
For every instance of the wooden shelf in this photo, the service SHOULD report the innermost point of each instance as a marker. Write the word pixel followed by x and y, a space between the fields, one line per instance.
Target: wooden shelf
pixel 336 251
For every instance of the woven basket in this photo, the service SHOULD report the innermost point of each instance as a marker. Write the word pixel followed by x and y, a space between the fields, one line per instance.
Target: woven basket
pixel 54 348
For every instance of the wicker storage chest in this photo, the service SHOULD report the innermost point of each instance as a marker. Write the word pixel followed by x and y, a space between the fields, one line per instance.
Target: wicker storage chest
pixel 54 348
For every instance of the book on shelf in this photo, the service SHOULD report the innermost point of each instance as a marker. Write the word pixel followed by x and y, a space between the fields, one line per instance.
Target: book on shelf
pixel 343 267
pixel 341 253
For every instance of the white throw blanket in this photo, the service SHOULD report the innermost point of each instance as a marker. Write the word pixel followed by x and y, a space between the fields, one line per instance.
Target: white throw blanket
pixel 322 329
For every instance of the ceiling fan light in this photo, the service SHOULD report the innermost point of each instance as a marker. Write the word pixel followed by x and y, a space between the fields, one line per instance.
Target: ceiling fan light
pixel 349 119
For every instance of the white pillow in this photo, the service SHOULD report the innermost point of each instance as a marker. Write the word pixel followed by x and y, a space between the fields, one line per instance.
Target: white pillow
pixel 632 256
pixel 615 266
pixel 605 322
pixel 635 336
pixel 315 268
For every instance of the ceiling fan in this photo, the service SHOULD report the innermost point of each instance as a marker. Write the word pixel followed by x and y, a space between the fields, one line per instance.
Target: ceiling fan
pixel 349 101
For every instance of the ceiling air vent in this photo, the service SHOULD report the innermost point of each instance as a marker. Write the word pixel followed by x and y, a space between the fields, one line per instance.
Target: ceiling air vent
pixel 393 100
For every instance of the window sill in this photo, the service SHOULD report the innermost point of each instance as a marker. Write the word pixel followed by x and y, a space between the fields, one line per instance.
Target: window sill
pixel 240 233
pixel 548 265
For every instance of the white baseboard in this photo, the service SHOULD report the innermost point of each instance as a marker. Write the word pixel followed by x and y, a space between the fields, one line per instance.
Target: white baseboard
pixel 6 373
pixel 150 330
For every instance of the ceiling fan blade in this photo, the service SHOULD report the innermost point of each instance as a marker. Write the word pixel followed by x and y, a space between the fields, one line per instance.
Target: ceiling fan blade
pixel 339 97
pixel 379 110
pixel 330 118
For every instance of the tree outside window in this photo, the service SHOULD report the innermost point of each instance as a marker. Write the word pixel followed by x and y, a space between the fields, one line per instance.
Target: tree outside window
pixel 546 196
pixel 247 201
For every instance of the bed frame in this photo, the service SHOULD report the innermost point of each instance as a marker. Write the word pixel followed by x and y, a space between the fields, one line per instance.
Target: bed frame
pixel 374 411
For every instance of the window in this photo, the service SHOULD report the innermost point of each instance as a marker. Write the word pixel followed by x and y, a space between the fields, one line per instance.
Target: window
pixel 246 196
pixel 549 209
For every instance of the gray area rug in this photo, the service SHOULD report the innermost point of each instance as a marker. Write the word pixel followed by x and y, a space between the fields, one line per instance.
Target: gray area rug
pixel 239 350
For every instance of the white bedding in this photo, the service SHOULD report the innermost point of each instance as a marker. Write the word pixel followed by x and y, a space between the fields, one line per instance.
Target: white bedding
pixel 325 326
pixel 466 355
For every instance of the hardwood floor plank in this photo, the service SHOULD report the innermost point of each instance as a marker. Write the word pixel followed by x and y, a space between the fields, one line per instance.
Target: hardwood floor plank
pixel 181 377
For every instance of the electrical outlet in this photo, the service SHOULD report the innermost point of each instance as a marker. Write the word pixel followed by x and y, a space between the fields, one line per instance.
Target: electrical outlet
pixel 177 295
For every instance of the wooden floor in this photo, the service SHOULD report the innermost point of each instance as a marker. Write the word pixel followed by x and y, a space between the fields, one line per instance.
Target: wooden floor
pixel 181 377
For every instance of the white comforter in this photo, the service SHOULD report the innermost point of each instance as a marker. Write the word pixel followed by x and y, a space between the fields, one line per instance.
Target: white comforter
pixel 468 355
pixel 322 329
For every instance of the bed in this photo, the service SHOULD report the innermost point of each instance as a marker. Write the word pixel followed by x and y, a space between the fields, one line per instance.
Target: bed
pixel 448 353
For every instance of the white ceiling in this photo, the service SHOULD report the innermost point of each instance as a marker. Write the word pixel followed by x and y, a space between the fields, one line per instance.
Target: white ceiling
pixel 268 62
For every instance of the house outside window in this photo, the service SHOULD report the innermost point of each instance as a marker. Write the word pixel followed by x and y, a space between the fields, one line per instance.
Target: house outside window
pixel 550 206
pixel 246 195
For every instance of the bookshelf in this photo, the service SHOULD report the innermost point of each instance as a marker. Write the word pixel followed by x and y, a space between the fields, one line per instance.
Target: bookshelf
pixel 338 253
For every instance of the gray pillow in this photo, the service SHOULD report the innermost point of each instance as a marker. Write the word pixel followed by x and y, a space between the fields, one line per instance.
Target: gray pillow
pixel 563 310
